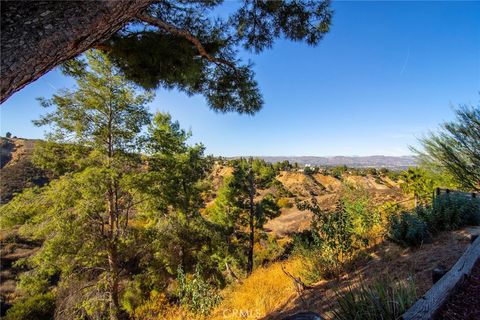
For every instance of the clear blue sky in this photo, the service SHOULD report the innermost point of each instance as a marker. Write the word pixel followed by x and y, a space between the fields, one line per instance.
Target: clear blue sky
pixel 386 73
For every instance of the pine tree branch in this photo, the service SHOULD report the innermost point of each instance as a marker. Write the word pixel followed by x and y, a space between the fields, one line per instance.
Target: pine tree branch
pixel 185 34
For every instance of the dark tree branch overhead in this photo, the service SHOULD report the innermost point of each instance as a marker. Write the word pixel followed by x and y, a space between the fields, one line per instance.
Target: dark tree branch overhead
pixel 36 36
pixel 156 43
pixel 185 34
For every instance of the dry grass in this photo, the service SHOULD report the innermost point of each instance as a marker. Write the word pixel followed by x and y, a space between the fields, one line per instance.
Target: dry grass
pixel 365 182
pixel 266 290
pixel 299 184
pixel 289 221
pixel 329 182
pixel 386 259
pixel 158 308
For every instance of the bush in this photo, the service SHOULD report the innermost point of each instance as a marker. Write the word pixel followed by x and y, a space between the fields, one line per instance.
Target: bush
pixel 196 293
pixel 448 212
pixel 268 249
pixel 317 263
pixel 337 238
pixel 453 211
pixel 381 300
pixel 408 229
pixel 284 203
pixel 38 307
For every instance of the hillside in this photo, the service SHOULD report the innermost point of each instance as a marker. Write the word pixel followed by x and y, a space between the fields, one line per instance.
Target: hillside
pixel 324 188
pixel 289 188
pixel 275 248
pixel 17 170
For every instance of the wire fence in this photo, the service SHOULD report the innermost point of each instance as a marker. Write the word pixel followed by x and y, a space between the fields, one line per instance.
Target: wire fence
pixel 440 191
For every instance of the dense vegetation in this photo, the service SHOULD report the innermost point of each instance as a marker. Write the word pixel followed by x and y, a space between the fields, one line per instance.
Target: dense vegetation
pixel 447 212
pixel 453 156
pixel 131 224
pixel 336 238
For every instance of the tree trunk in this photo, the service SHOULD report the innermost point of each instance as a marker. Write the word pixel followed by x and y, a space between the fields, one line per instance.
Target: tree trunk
pixel 251 223
pixel 113 293
pixel 36 36
pixel 113 258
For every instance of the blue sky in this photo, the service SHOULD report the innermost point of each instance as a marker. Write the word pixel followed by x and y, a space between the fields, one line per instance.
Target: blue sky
pixel 386 73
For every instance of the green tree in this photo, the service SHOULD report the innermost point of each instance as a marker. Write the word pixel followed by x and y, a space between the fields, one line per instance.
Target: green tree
pixel 8 135
pixel 125 207
pixel 456 148
pixel 282 166
pixel 175 166
pixel 239 207
pixel 416 181
pixel 60 158
pixel 338 171
pixel 173 187
pixel 87 221
pixel 173 234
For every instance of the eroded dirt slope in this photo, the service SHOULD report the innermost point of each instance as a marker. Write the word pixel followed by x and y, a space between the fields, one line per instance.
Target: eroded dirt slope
pixel 17 171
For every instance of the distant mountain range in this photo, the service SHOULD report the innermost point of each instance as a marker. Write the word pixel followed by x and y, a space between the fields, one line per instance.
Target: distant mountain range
pixel 353 161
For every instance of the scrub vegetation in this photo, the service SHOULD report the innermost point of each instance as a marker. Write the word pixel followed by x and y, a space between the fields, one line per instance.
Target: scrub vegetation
pixel 128 219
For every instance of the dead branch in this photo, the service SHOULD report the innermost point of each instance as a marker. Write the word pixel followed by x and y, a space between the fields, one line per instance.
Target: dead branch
pixel 299 284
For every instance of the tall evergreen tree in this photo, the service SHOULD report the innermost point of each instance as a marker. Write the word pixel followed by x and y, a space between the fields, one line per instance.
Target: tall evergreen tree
pixel 88 220
pixel 239 207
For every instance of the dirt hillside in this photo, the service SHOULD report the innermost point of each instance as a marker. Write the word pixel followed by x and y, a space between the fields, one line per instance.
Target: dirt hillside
pixel 17 171
pixel 324 188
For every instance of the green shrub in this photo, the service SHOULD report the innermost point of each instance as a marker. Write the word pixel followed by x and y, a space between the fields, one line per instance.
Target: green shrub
pixel 284 203
pixel 453 211
pixel 196 293
pixel 408 229
pixel 317 260
pixel 337 238
pixel 267 250
pixel 38 307
pixel 448 212
pixel 381 300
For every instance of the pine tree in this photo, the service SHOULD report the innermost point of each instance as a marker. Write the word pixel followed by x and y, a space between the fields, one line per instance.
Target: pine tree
pixel 124 206
pixel 169 43
pixel 90 212
pixel 239 208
